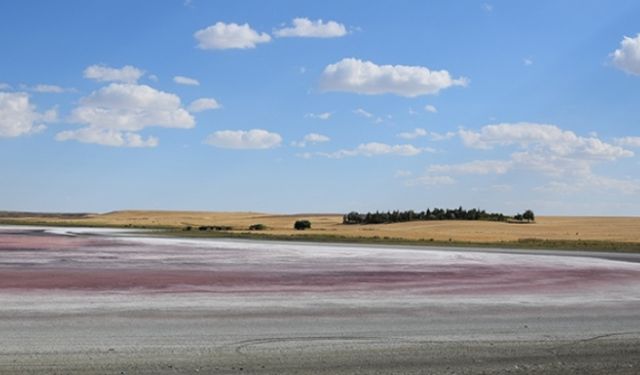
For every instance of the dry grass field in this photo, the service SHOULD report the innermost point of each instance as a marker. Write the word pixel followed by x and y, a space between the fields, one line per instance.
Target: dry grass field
pixel 610 229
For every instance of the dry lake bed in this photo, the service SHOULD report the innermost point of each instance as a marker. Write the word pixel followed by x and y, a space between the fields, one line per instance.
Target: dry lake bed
pixel 101 301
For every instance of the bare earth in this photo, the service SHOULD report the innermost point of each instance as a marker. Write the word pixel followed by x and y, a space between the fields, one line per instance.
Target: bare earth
pixel 92 301
pixel 617 229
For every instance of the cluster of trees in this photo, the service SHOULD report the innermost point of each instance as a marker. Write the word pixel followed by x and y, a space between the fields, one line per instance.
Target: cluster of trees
pixel 431 214
pixel 528 215
pixel 216 228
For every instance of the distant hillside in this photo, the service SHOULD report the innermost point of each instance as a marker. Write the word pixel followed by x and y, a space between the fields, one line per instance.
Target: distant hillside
pixel 20 214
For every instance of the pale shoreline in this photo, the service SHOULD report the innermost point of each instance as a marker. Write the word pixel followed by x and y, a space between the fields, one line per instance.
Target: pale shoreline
pixel 311 309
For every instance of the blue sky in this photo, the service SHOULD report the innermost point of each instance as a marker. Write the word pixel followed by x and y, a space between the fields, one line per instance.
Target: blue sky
pixel 329 106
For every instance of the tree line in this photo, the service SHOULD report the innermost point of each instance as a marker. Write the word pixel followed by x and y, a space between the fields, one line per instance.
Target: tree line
pixel 432 214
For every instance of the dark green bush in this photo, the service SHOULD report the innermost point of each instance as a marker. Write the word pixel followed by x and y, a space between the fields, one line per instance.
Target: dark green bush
pixel 302 225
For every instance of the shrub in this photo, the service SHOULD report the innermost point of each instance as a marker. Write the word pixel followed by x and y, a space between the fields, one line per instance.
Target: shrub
pixel 302 225
pixel 257 227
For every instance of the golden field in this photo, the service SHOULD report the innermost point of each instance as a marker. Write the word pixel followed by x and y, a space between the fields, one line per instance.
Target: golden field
pixel 610 229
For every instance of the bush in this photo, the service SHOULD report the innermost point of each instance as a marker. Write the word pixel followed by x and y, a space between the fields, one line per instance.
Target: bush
pixel 257 227
pixel 302 225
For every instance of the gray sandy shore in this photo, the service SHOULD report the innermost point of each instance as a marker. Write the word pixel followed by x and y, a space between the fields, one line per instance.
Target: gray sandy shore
pixel 417 341
pixel 78 305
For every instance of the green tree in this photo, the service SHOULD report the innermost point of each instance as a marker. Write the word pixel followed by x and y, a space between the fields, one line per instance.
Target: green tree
pixel 302 225
pixel 529 216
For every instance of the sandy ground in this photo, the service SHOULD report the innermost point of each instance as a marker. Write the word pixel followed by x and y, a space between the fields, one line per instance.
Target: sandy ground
pixel 98 302
pixel 620 229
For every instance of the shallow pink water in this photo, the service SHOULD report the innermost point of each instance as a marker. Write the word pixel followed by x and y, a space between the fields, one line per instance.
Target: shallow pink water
pixel 33 261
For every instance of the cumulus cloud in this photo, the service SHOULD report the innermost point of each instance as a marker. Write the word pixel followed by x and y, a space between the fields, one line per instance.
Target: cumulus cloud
pixel 103 73
pixel 431 108
pixel 311 138
pixel 430 180
pixel 50 89
pixel 19 117
pixel 628 141
pixel 228 36
pixel 115 113
pixel 442 136
pixel 416 133
pixel 375 149
pixel 475 167
pixel 182 80
pixel 257 139
pixel 542 136
pixel 107 137
pixel 365 77
pixel 402 173
pixel 203 104
pixel 591 182
pixel 627 57
pixel 320 116
pixel 546 150
pixel 361 112
pixel 306 28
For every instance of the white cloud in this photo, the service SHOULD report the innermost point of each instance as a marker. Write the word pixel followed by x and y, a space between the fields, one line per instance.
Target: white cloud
pixel 547 150
pixel 475 167
pixel 5 86
pixel 311 138
pixel 363 113
pixel 306 28
pixel 401 173
pixel 502 188
pixel 627 57
pixel 231 35
pixel 102 73
pixel 53 89
pixel 375 149
pixel 430 180
pixel 487 7
pixel 19 117
pixel 115 113
pixel 107 137
pixel 431 108
pixel 257 139
pixel 182 80
pixel 316 138
pixel 320 116
pixel 203 104
pixel 365 77
pixel 542 136
pixel 416 133
pixel 527 62
pixel 153 77
pixel 442 136
pixel 591 182
pixel 45 88
pixel 628 141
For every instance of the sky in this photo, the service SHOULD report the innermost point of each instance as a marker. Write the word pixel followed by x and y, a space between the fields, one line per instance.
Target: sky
pixel 331 106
